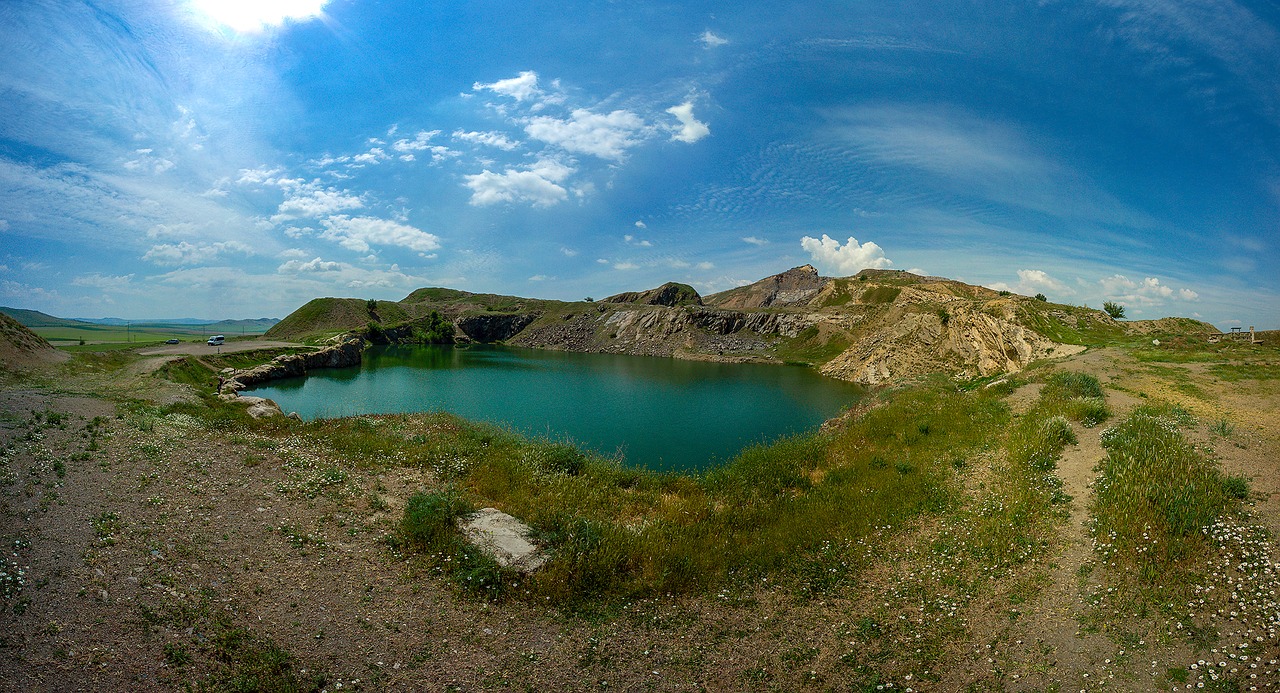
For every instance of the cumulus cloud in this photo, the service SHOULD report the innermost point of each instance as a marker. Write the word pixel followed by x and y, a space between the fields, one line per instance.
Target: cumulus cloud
pixel 710 40
pixel 691 129
pixel 316 203
pixel 641 225
pixel 313 265
pixel 521 87
pixel 1033 281
pixel 537 185
pixel 361 233
pixel 489 139
pixel 184 253
pixel 606 135
pixel 1148 292
pixel 845 259
pixel 632 240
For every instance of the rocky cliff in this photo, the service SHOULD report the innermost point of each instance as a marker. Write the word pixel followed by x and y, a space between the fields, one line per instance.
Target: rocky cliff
pixel 344 352
pixel 873 327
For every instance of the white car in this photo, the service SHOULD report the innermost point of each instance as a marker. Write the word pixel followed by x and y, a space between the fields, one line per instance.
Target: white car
pixel 217 340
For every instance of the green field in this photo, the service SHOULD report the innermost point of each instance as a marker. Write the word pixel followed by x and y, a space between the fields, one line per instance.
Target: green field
pixel 152 333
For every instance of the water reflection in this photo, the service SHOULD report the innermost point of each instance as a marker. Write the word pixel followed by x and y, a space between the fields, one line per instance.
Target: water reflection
pixel 664 413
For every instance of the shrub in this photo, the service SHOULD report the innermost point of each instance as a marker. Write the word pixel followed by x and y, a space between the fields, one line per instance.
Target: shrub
pixel 429 518
pixel 1042 298
pixel 1115 310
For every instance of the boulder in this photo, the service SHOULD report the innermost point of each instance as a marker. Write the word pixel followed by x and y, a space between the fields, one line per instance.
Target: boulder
pixel 502 538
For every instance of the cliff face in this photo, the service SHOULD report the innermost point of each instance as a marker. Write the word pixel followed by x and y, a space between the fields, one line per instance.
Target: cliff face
pixel 873 327
pixel 344 353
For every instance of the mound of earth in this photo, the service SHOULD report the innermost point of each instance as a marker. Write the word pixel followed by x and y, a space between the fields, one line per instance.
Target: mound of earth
pixel 22 348
pixel 669 294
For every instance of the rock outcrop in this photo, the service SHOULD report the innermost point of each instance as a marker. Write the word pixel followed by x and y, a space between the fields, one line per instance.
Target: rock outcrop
pixel 502 538
pixel 669 294
pixel 344 353
pixel 796 286
pixel 497 327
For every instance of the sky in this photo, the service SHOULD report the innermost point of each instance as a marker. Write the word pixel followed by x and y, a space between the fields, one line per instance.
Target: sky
pixel 236 158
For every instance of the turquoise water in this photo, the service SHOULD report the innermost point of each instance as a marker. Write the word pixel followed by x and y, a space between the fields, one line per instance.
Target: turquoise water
pixel 664 414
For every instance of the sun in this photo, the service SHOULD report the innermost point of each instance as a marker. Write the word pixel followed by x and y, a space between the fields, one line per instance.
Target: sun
pixel 246 16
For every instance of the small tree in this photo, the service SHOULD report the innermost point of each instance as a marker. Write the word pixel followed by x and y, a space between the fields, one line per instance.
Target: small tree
pixel 1042 297
pixel 1115 310
pixel 371 305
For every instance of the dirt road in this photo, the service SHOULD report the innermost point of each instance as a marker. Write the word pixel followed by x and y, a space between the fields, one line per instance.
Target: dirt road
pixel 202 349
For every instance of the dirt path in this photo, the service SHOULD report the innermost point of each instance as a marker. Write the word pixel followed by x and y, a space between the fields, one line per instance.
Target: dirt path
pixel 191 349
pixel 1051 641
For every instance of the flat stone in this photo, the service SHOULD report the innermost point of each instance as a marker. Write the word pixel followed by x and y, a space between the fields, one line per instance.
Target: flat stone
pixel 503 538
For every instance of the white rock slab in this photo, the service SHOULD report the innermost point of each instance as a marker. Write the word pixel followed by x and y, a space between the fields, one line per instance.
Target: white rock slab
pixel 503 538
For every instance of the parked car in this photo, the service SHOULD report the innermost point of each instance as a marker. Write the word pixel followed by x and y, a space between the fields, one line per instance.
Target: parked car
pixel 170 341
pixel 217 340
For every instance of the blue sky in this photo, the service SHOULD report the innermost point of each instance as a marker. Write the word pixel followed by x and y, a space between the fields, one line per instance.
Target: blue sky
pixel 225 159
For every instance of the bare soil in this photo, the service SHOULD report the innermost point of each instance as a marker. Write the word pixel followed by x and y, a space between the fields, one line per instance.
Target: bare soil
pixel 143 543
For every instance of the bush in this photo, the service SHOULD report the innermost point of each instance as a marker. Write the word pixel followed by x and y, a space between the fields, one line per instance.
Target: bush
pixel 429 518
pixel 1115 310
pixel 1042 298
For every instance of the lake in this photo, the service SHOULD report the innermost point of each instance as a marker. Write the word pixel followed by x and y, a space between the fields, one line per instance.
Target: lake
pixel 659 413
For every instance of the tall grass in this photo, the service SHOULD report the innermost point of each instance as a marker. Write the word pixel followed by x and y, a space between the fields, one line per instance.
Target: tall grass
pixel 617 532
pixel 1154 496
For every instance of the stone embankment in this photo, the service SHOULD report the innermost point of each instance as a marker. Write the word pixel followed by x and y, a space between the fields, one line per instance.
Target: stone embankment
pixel 344 353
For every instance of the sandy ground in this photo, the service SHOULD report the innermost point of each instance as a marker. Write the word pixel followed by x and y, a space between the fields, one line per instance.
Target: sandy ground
pixel 202 349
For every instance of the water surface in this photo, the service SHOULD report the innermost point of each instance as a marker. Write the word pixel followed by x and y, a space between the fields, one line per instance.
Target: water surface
pixel 656 412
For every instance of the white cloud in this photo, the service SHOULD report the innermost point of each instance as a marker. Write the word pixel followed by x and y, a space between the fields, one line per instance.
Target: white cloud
pixel 315 203
pixel 569 252
pixel 4 224
pixel 641 225
pixel 632 240
pixel 489 139
pixel 847 259
pixel 537 185
pixel 189 254
pixel 103 282
pixel 373 156
pixel 520 88
pixel 625 266
pixel 1148 292
pixel 148 162
pixel 754 241
pixel 313 265
pixel 541 278
pixel 691 129
pixel 360 233
pixel 606 135
pixel 1032 281
pixel 705 266
pixel 293 253
pixel 253 17
pixel 710 40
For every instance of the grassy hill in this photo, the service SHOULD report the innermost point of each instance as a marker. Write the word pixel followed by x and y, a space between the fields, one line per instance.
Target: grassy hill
pixel 328 316
pixel 34 318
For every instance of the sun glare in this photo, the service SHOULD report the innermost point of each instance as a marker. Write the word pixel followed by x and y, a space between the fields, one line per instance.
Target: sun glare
pixel 257 15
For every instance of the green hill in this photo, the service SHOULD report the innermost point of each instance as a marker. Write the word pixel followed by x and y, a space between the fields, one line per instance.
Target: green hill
pixel 34 318
pixel 322 316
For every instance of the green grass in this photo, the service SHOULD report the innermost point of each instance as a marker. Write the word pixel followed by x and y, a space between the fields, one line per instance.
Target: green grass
pixel 617 532
pixel 1153 496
